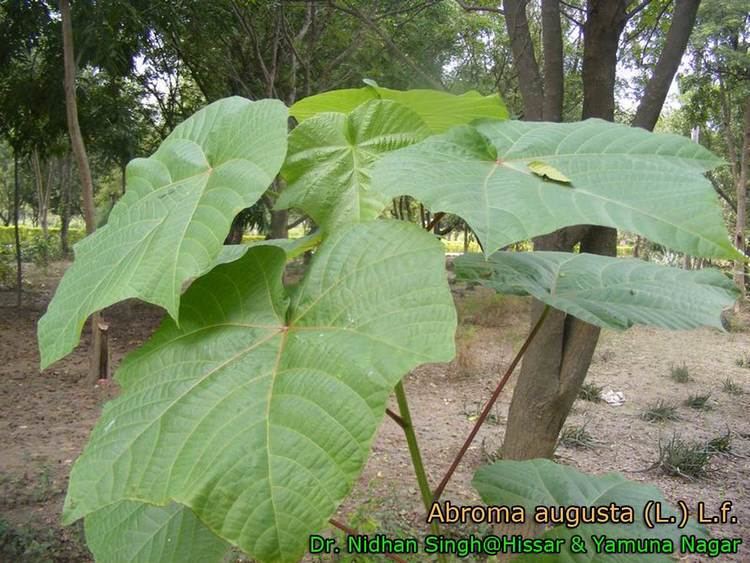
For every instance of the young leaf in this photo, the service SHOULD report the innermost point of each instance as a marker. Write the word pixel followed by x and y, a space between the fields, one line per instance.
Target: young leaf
pixel 543 483
pixel 546 171
pixel 135 532
pixel 257 412
pixel 439 110
pixel 623 177
pixel 170 225
pixel 331 157
pixel 608 292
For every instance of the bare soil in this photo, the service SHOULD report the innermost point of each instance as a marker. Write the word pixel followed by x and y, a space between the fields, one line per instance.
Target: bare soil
pixel 45 418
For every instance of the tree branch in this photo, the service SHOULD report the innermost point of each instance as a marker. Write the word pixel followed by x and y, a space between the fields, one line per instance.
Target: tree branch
pixel 352 11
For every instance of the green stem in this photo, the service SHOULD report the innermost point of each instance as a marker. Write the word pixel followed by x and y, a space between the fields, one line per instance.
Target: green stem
pixel 416 456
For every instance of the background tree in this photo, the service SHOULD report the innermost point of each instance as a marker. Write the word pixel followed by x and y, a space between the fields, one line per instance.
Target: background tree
pixel 557 362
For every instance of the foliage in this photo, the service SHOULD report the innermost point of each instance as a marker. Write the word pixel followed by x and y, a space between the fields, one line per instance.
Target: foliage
pixel 173 218
pixel 620 177
pixel 543 483
pixel 252 408
pixel 439 110
pixel 608 292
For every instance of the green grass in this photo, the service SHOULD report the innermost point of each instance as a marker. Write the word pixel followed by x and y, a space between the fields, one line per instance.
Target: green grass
pixel 590 392
pixel 660 412
pixel 577 437
pixel 679 458
pixel 699 402
pixel 721 444
pixel 731 387
pixel 680 374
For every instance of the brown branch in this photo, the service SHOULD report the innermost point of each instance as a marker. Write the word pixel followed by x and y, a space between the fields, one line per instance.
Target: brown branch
pixel 489 405
pixel 638 8
pixel 396 418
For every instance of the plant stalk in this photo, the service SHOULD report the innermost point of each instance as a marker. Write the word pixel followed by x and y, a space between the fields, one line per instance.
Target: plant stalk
pixel 416 456
pixel 490 404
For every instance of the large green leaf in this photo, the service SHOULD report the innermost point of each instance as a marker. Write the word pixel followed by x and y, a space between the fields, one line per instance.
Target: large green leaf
pixel 170 225
pixel 331 157
pixel 133 532
pixel 541 482
pixel 439 110
pixel 623 177
pixel 257 412
pixel 608 292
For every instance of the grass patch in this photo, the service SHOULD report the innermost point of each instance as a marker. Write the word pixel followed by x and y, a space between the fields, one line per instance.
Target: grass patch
pixel 679 458
pixel 660 412
pixel 731 387
pixel 577 437
pixel 743 361
pixel 721 444
pixel 699 402
pixel 680 374
pixel 591 392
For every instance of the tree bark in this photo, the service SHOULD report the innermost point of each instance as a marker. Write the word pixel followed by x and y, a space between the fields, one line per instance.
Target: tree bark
pixel 552 47
pixel 16 234
pixel 683 20
pixel 279 222
pixel 100 351
pixel 529 80
pixel 65 185
pixel 739 233
pixel 42 192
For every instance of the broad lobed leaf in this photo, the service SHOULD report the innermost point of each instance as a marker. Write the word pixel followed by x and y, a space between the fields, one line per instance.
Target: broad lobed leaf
pixel 608 292
pixel 331 157
pixel 170 225
pixel 541 482
pixel 439 110
pixel 135 532
pixel 622 177
pixel 257 412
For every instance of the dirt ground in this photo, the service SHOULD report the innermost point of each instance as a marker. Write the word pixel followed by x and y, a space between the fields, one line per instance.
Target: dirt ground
pixel 45 418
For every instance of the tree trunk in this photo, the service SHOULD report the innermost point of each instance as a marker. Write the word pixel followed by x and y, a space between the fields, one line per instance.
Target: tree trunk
pixel 557 361
pixel 42 192
pixel 17 235
pixel 279 221
pixel 739 233
pixel 657 88
pixel 236 230
pixel 529 81
pixel 552 46
pixel 100 351
pixel 65 185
